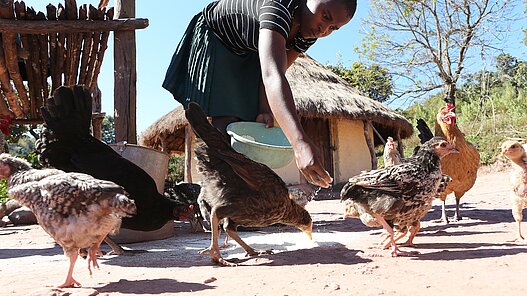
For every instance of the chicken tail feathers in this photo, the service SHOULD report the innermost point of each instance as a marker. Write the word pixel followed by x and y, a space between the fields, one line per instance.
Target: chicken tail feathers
pixel 67 116
pixel 425 134
pixel 203 129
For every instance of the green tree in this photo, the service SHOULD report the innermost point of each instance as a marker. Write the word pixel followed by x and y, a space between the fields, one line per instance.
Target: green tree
pixel 373 81
pixel 427 43
pixel 108 130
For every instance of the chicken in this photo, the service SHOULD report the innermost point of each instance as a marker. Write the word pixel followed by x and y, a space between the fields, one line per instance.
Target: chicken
pixel 516 152
pixel 66 143
pixel 401 194
pixel 461 167
pixel 76 209
pixel 238 191
pixel 391 155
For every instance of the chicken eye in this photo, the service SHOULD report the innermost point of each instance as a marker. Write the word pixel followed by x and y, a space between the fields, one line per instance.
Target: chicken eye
pixel 443 145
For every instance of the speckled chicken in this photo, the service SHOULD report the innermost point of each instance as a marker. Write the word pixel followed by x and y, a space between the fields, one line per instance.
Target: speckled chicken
pixel 401 194
pixel 516 152
pixel 66 143
pixel 77 210
pixel 238 191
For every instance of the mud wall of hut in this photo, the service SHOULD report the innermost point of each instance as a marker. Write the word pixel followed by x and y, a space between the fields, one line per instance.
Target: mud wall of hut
pixel 352 154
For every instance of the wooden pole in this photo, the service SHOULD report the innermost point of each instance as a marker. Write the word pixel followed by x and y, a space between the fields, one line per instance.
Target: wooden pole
pixel 369 142
pixel 125 76
pixel 188 154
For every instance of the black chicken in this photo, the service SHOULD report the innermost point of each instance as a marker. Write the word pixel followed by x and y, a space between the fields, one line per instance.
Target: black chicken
pixel 67 144
pixel 239 191
pixel 401 194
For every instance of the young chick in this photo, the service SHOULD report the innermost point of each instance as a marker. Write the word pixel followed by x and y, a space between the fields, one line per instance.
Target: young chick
pixel 238 191
pixel 514 151
pixel 401 194
pixel 77 210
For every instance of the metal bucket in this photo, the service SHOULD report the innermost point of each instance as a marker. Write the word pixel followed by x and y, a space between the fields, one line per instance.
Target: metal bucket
pixel 152 161
pixel 155 163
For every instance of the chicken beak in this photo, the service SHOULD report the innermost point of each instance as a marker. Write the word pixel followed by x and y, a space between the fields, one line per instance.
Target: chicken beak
pixel 309 231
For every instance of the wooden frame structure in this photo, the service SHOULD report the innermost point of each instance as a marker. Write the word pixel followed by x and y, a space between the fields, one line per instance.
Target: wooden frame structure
pixel 68 44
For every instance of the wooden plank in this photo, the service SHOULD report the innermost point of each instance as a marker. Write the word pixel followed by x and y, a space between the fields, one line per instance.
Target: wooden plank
pixel 188 154
pixel 71 26
pixel 125 76
pixel 11 56
pixel 53 40
pixel 72 45
pixel 5 85
pixel 44 66
pixel 100 53
pixel 96 39
pixel 61 45
pixel 35 82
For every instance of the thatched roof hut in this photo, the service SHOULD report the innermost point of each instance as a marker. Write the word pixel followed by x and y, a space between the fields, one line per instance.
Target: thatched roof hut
pixel 318 92
pixel 344 125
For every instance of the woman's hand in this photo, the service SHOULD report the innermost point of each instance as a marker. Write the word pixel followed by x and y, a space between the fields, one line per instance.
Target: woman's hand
pixel 266 118
pixel 308 162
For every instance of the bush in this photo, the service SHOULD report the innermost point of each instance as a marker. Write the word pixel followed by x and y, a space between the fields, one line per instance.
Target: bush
pixel 176 168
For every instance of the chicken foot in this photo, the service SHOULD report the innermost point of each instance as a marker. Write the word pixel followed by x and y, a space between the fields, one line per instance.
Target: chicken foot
pixel 248 249
pixel 519 237
pixel 93 252
pixel 413 232
pixel 214 249
pixel 444 217
pixel 457 215
pixel 70 282
pixel 395 250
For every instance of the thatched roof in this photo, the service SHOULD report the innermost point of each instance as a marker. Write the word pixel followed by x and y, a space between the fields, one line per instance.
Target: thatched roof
pixel 318 92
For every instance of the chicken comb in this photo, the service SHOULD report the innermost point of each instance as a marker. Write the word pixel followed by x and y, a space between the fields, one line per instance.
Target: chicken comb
pixel 450 107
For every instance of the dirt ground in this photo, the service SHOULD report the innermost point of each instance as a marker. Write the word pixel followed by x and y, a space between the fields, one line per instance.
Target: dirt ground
pixel 471 256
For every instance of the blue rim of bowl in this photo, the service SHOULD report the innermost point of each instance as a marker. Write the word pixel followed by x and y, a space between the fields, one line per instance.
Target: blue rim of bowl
pixel 254 143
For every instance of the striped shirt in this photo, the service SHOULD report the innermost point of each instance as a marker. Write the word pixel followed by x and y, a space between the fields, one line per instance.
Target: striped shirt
pixel 237 22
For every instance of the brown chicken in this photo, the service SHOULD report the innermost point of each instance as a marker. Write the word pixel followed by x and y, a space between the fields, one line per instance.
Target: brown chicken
pixel 77 210
pixel 516 152
pixel 401 194
pixel 238 191
pixel 462 167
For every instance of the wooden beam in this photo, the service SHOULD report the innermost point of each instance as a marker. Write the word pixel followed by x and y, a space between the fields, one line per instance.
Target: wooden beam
pixel 188 154
pixel 369 142
pixel 125 76
pixel 71 26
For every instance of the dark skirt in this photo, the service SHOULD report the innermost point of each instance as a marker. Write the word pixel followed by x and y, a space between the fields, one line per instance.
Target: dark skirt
pixel 204 71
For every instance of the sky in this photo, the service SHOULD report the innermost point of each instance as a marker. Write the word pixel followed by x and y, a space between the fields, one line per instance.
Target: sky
pixel 168 20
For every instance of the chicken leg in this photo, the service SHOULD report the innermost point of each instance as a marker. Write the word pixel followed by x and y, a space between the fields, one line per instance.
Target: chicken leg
pixel 519 237
pixel 413 232
pixel 93 252
pixel 214 249
pixel 248 249
pixel 395 251
pixel 70 282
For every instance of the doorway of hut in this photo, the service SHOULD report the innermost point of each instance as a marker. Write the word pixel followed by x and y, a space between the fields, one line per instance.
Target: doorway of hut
pixel 318 130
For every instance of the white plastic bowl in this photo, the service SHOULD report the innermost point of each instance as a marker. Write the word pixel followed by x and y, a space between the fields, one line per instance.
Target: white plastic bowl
pixel 264 145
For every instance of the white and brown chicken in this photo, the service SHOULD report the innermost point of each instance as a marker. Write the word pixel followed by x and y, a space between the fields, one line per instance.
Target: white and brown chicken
pixel 516 152
pixel 77 210
pixel 401 194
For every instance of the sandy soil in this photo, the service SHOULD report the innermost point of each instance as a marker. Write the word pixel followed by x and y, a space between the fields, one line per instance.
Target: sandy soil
pixel 471 256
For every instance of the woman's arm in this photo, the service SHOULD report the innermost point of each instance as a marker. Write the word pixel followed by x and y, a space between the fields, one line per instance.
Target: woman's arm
pixel 274 61
pixel 265 115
